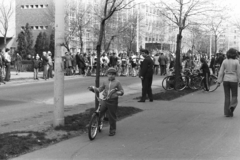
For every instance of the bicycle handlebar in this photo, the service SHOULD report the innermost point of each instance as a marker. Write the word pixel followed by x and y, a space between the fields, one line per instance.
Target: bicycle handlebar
pixel 93 89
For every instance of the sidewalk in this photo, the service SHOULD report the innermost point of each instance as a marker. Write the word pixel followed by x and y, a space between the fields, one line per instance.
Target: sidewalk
pixel 23 75
pixel 190 127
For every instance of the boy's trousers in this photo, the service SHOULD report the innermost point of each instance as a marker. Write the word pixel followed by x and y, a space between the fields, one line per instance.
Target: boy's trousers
pixel 110 106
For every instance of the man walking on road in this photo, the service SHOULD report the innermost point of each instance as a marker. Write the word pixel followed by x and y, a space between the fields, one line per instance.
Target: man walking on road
pixel 146 75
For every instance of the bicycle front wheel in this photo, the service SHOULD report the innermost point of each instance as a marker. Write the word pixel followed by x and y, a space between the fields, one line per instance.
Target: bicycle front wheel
pixel 168 83
pixel 213 85
pixel 93 127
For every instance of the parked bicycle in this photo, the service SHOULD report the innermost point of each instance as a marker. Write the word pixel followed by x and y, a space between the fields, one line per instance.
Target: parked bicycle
pixel 168 83
pixel 96 122
pixel 192 79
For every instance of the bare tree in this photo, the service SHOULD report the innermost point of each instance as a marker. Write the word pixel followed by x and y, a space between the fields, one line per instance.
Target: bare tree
pixel 183 13
pixel 109 7
pixel 199 39
pixel 6 12
pixel 81 21
pixel 216 26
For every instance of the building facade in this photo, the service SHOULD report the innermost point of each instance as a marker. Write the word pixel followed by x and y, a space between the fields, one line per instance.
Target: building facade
pixel 39 14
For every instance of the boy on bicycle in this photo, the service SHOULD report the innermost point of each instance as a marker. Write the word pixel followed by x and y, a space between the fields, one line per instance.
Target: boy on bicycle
pixel 111 104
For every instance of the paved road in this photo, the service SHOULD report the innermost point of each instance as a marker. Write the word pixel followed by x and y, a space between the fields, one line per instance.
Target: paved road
pixel 25 103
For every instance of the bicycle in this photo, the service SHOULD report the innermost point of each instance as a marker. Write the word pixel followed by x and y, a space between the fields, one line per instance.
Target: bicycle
pixel 96 122
pixel 168 83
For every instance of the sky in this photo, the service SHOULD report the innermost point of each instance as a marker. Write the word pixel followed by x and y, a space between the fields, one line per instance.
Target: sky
pixel 233 5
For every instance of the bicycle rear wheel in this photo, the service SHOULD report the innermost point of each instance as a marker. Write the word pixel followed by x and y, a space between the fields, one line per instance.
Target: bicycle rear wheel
pixel 168 83
pixel 93 127
pixel 213 85
pixel 181 83
pixel 195 83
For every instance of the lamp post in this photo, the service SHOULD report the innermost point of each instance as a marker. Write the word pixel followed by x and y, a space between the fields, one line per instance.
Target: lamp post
pixel 59 74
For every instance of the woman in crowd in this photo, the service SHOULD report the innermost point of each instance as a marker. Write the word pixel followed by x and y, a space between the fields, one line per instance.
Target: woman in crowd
pixel 229 74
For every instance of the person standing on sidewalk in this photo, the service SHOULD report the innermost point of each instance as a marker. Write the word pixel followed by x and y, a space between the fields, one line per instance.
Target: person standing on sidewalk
pixel 7 64
pixel 1 65
pixel 45 65
pixel 146 75
pixel 205 72
pixel 156 63
pixel 18 63
pixel 50 65
pixel 163 63
pixel 36 66
pixel 229 74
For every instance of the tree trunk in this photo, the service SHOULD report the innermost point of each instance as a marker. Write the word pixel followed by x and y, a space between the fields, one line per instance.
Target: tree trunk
pixel 98 58
pixel 215 44
pixel 81 41
pixel 5 41
pixel 109 43
pixel 178 65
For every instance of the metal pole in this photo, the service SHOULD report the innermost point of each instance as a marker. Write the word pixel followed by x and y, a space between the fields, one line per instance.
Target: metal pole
pixel 59 74
pixel 210 49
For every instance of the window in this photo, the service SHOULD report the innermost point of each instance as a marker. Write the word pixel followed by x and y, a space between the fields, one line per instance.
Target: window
pixel 32 6
pixel 146 39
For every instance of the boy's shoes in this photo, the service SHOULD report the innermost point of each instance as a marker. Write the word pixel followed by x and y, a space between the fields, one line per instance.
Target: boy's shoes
pixel 112 133
pixel 150 100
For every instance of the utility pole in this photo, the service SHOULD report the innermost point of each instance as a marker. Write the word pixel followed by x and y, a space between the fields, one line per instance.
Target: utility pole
pixel 210 48
pixel 137 28
pixel 59 74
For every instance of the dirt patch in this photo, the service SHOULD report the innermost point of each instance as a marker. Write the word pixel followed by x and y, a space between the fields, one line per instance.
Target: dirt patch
pixel 170 95
pixel 21 142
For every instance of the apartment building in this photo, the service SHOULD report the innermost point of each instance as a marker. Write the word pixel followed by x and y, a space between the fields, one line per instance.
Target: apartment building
pixel 229 39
